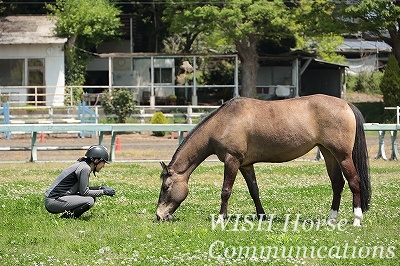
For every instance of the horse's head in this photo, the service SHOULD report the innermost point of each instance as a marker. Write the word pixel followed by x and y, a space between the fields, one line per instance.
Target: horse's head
pixel 174 190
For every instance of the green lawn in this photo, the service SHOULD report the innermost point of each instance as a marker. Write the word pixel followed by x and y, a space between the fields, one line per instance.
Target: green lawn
pixel 122 230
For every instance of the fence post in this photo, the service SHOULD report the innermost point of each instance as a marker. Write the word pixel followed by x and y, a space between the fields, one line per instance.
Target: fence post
pixel 189 115
pixel 393 136
pixel 142 120
pixel 51 112
pixel 381 149
pixel 6 114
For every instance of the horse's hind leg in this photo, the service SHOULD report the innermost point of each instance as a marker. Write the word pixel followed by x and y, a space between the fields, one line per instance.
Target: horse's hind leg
pixel 337 182
pixel 353 179
pixel 349 171
pixel 250 177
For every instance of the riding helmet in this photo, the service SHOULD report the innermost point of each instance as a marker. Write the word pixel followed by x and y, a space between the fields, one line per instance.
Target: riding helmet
pixel 97 152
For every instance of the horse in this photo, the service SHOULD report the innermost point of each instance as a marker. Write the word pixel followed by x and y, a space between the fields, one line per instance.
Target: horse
pixel 244 131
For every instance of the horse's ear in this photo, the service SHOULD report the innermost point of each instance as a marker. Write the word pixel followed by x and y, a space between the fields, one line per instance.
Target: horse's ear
pixel 165 168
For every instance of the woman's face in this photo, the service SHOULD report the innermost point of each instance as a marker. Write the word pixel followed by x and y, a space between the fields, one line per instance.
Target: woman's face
pixel 100 165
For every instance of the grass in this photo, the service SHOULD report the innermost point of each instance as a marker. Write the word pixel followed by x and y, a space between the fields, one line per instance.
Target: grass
pixel 122 230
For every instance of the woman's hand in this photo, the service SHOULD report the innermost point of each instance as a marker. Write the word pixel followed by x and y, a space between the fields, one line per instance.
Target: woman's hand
pixel 108 191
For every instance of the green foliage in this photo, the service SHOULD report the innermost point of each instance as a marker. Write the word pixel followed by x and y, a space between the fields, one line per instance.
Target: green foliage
pixel 364 82
pixel 119 102
pixel 374 16
pixel 2 8
pixel 86 23
pixel 75 66
pixel 221 74
pixel 390 84
pixel 76 96
pixel 373 112
pixel 379 18
pixel 3 98
pixel 159 118
pixel 243 24
pixel 75 71
pixel 325 47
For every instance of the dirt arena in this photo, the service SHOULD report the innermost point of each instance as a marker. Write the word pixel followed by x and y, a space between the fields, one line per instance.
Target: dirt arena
pixel 133 147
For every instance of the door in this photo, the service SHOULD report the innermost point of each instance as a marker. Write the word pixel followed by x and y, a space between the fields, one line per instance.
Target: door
pixel 37 96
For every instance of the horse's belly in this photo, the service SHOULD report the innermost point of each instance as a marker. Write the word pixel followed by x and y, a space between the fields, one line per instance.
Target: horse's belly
pixel 276 153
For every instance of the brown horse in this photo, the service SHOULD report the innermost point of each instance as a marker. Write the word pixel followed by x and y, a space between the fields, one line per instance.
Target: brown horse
pixel 245 131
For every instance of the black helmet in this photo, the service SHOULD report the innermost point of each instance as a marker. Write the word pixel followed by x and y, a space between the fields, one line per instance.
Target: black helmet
pixel 97 152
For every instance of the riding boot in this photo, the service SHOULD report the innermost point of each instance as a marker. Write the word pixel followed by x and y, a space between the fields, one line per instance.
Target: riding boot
pixel 80 210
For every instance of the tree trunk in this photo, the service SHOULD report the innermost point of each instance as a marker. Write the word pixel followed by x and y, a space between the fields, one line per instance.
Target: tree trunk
pixel 71 41
pixel 247 52
pixel 394 41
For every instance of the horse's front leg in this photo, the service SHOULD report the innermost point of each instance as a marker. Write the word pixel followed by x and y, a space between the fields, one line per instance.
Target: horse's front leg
pixel 251 181
pixel 231 167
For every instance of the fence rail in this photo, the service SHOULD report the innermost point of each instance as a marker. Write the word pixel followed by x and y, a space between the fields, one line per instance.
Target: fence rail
pixel 92 114
pixel 382 128
pixel 58 95
pixel 34 129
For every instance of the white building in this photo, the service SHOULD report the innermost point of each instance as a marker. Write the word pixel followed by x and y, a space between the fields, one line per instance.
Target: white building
pixel 31 60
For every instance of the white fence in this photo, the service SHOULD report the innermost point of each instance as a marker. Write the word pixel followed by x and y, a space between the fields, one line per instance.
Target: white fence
pixel 55 95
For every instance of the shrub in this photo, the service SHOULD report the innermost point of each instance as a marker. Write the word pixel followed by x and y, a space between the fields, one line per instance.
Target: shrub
pixel 390 84
pixel 364 82
pixel 76 96
pixel 159 118
pixel 119 102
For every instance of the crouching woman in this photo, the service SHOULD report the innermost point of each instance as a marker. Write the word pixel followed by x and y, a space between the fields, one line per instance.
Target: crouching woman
pixel 70 193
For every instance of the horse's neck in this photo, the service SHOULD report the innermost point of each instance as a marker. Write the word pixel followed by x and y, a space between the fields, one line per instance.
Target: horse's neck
pixel 190 155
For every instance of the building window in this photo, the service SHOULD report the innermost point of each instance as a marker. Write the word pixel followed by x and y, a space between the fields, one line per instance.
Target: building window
pixel 162 75
pixel 12 72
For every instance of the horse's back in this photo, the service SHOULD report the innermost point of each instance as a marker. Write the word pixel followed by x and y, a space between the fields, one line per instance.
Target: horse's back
pixel 285 129
pixel 306 110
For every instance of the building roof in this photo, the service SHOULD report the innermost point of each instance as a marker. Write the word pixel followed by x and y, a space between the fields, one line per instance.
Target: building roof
pixel 28 30
pixel 363 46
pixel 287 58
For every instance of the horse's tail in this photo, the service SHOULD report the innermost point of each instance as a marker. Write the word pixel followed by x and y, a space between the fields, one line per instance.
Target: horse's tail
pixel 360 159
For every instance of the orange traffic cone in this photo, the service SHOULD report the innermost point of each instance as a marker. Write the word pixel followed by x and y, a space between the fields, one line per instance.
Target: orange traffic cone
pixel 118 145
pixel 42 137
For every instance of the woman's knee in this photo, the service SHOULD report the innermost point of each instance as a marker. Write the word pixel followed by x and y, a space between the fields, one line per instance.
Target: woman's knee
pixel 90 201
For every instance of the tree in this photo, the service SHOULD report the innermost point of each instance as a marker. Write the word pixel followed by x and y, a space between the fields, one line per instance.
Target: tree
pixel 86 24
pixel 237 22
pixel 376 17
pixel 244 24
pixel 390 83
pixel 20 7
pixel 185 25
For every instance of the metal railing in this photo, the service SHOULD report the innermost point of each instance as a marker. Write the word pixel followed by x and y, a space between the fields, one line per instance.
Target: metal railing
pixel 55 95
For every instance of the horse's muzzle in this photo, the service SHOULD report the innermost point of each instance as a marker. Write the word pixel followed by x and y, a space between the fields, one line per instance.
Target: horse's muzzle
pixel 162 218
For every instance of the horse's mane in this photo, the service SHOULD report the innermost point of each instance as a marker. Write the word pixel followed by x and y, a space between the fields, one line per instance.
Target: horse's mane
pixel 201 124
